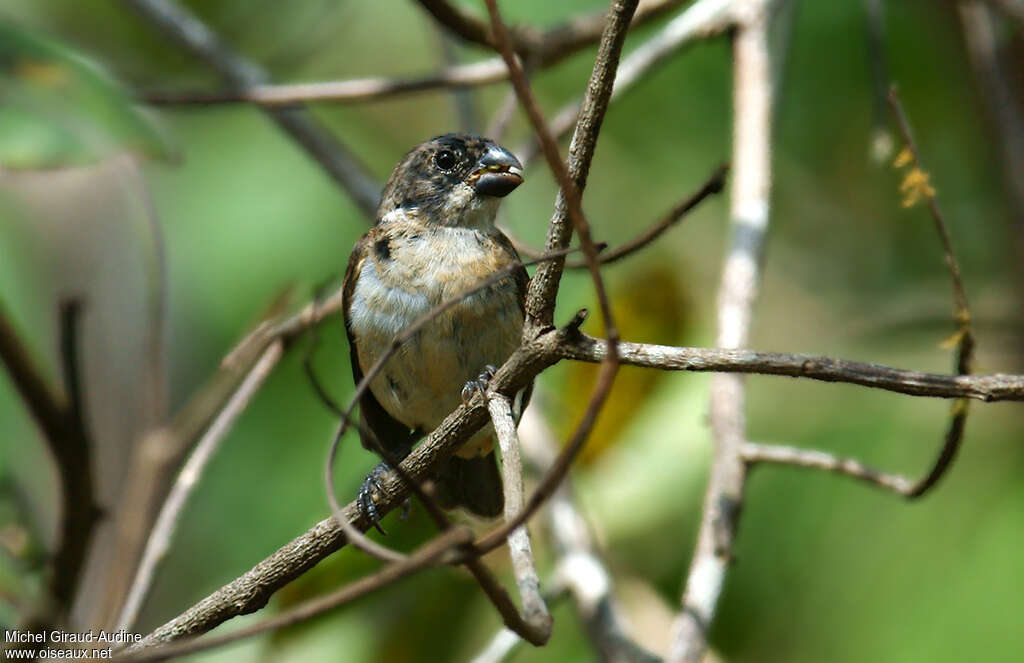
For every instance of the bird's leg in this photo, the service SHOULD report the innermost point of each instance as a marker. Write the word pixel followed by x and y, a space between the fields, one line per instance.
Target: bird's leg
pixel 478 385
pixel 371 490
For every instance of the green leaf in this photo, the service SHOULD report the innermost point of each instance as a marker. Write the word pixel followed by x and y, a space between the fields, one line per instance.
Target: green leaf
pixel 59 109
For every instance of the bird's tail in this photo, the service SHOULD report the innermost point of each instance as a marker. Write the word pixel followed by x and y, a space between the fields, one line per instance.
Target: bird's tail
pixel 473 484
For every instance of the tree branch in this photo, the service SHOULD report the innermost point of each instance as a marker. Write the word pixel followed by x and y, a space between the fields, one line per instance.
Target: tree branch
pixel 190 33
pixel 429 554
pixel 535 611
pixel 163 530
pixel 988 388
pixel 752 105
pixel 701 20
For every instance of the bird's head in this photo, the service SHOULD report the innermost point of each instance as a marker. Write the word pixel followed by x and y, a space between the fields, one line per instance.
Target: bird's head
pixel 452 180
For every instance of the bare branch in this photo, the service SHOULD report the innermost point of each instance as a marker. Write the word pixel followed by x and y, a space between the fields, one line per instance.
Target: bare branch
pixel 348 91
pixel 712 186
pixel 701 20
pixel 579 569
pixel 535 611
pixel 189 32
pixel 961 314
pixel 988 388
pixel 166 523
pixel 754 454
pixel 430 554
pixel 159 454
pixel 541 48
pixel 558 43
pixel 570 188
pixel 752 105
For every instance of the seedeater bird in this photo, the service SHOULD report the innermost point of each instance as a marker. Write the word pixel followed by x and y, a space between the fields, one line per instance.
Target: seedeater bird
pixel 434 240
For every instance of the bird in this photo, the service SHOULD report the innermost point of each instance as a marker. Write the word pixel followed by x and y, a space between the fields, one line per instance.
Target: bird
pixel 435 239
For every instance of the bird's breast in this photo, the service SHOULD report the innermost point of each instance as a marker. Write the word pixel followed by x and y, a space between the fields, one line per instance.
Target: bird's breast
pixel 404 280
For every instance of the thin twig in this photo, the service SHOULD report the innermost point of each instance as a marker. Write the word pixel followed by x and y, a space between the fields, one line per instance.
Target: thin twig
pixel 166 523
pixel 579 568
pixel 430 554
pixel 190 33
pixel 159 454
pixel 535 611
pixel 559 42
pixel 701 20
pixel 544 285
pixel 988 388
pixel 253 589
pixel 754 453
pixel 961 314
pixel 354 90
pixel 543 48
pixel 712 186
pixel 752 104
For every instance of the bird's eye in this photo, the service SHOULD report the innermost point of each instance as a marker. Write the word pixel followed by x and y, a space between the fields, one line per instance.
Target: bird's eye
pixel 445 159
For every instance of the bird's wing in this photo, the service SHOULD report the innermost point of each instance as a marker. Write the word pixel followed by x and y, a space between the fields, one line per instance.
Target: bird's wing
pixel 395 436
pixel 522 279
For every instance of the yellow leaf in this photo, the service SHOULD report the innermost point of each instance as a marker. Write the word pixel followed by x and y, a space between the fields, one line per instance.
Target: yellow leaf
pixel 903 158
pixel 953 340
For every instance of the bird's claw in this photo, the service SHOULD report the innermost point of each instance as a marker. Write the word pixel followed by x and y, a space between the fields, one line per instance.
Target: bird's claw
pixel 370 491
pixel 478 385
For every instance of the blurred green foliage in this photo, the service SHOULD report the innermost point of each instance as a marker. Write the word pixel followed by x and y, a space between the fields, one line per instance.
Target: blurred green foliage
pixel 826 569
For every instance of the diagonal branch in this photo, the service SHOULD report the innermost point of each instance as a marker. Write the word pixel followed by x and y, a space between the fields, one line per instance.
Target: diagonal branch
pixel 163 529
pixel 190 33
pixel 428 555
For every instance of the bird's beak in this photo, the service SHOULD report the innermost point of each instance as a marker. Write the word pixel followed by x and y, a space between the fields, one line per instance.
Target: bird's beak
pixel 497 173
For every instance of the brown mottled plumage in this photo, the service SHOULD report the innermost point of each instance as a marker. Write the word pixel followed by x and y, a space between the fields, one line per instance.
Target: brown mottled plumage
pixel 434 240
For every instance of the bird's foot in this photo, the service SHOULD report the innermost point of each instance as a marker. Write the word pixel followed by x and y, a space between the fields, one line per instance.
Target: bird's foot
pixel 478 385
pixel 370 492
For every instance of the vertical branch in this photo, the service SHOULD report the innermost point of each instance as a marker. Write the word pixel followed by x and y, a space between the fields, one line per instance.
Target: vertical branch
pixel 752 105
pixel 579 569
pixel 540 302
pixel 535 611
pixel 74 463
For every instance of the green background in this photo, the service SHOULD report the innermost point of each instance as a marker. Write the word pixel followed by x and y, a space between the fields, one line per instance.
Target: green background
pixel 826 569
